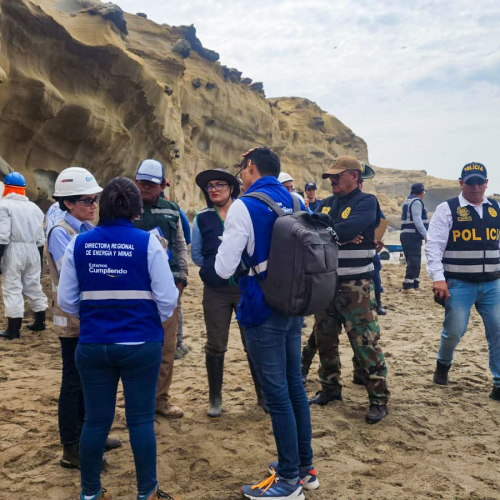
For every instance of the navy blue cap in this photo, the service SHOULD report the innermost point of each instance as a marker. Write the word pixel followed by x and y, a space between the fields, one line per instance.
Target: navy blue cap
pixel 310 185
pixel 417 188
pixel 473 169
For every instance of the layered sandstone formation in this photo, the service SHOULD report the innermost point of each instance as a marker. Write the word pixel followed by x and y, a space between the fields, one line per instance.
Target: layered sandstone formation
pixel 83 84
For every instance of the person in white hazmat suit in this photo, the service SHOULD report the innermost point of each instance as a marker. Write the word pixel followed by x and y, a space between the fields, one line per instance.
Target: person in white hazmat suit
pixel 21 250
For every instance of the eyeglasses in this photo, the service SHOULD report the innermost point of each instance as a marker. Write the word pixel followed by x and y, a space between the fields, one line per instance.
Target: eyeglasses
pixel 89 201
pixel 336 177
pixel 218 186
pixel 473 182
pixel 241 168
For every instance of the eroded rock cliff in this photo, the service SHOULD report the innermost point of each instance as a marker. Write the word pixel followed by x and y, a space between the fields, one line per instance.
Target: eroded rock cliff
pixel 84 84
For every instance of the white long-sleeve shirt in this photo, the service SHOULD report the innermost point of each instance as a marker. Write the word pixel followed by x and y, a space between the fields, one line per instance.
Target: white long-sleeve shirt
pixel 238 235
pixel 438 234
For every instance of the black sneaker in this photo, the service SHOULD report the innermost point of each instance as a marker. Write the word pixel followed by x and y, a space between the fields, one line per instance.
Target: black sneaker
pixel 322 398
pixel 441 374
pixel 376 413
pixel 495 393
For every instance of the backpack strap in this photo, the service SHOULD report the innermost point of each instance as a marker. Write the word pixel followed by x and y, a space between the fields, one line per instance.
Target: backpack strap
pixel 296 203
pixel 269 202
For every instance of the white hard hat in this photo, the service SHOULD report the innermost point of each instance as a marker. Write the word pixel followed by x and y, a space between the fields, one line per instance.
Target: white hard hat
pixel 284 177
pixel 75 181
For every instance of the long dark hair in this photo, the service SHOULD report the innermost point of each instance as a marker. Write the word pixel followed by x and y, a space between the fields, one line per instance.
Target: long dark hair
pixel 120 199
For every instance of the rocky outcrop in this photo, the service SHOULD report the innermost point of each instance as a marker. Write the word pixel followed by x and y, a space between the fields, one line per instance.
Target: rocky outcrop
pixel 78 90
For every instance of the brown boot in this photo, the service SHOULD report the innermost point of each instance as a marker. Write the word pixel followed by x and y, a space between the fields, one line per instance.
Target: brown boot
pixel 166 409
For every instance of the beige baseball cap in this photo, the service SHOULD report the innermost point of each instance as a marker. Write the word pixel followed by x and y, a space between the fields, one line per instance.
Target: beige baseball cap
pixel 345 162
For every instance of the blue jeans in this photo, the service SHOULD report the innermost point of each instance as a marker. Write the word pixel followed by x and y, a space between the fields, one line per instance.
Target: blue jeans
pixel 486 297
pixel 274 348
pixel 101 366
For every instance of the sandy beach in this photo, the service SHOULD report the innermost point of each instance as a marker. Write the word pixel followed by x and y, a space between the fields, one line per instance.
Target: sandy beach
pixel 439 442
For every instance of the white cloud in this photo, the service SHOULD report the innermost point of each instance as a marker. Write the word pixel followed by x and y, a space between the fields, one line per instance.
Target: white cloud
pixel 419 80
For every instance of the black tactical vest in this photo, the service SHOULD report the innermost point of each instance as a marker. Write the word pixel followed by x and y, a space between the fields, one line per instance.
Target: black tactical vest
pixel 472 252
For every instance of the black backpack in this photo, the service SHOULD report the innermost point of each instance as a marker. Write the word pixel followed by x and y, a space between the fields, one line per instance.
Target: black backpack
pixel 303 259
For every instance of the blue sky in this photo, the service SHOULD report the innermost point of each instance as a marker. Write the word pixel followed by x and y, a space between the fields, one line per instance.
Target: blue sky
pixel 418 80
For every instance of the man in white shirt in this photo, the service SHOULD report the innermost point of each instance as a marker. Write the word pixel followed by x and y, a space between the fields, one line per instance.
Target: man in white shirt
pixel 463 260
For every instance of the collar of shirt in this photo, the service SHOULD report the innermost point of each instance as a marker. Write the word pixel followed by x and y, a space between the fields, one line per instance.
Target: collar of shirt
pixel 463 202
pixel 81 227
pixel 264 181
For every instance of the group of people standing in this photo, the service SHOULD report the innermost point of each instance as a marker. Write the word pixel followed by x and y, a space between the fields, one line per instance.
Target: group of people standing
pixel 117 292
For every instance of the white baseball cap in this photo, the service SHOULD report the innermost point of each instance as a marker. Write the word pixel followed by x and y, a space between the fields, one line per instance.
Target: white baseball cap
pixel 150 170
pixel 284 177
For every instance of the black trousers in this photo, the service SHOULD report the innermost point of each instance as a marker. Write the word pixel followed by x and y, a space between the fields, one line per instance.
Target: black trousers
pixel 71 405
pixel 412 248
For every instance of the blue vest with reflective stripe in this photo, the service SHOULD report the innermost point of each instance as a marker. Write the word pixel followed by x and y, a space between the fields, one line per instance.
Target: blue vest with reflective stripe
pixel 472 252
pixel 252 309
pixel 117 303
pixel 407 224
pixel 211 228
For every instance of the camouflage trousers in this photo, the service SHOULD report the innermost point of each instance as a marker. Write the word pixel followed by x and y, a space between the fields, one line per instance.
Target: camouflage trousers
pixel 354 307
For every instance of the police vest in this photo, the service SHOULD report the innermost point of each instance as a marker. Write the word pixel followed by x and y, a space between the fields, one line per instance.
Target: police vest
pixel 211 229
pixel 355 261
pixel 117 303
pixel 407 224
pixel 165 215
pixel 472 252
pixel 65 325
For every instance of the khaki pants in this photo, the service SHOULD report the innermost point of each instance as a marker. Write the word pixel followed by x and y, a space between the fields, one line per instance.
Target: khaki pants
pixel 170 328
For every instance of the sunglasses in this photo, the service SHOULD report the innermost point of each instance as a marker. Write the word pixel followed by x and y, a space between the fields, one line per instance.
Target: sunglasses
pixel 336 177
pixel 89 201
pixel 218 186
pixel 476 181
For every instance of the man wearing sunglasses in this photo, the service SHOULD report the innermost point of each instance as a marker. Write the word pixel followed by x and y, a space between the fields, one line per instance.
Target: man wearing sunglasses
pixel 160 213
pixel 355 215
pixel 463 260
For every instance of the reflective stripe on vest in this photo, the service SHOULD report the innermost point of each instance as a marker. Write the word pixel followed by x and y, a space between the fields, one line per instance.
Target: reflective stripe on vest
pixel 478 268
pixel 357 254
pixel 167 211
pixel 350 271
pixel 472 254
pixel 117 295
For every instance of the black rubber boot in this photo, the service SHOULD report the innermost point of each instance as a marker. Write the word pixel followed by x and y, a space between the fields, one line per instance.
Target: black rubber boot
pixel 441 374
pixel 260 398
pixel 376 413
pixel 323 397
pixel 357 378
pixel 112 444
pixel 71 456
pixel 13 329
pixel 39 324
pixel 308 354
pixel 380 310
pixel 215 372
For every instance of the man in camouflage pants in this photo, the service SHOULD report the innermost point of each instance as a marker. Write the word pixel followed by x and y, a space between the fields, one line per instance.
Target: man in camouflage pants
pixel 355 215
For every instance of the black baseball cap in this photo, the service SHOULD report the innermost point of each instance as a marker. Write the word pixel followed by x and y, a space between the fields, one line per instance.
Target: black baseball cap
pixel 417 188
pixel 474 169
pixel 310 185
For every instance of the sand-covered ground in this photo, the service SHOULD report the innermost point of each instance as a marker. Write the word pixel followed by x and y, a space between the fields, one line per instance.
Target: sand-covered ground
pixel 439 442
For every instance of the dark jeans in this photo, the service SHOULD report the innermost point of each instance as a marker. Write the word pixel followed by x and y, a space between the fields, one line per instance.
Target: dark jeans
pixel 412 248
pixel 101 366
pixel 71 406
pixel 274 348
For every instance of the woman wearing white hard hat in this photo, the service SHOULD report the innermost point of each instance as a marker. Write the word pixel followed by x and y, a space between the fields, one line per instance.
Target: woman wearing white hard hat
pixel 77 193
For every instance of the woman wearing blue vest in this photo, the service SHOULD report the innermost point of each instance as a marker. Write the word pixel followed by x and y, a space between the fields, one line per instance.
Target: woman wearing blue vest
pixel 220 296
pixel 116 278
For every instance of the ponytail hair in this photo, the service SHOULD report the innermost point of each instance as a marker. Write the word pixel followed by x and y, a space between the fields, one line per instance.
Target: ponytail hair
pixel 120 199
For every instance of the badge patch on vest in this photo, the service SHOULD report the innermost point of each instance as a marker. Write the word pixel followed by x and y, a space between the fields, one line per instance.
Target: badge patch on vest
pixel 325 210
pixel 492 212
pixel 463 214
pixel 346 213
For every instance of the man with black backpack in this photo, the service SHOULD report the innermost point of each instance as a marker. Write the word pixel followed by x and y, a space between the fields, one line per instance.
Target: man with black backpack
pixel 273 338
pixel 355 216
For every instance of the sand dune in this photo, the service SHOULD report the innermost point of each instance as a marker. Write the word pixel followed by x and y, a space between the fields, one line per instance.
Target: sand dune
pixel 439 442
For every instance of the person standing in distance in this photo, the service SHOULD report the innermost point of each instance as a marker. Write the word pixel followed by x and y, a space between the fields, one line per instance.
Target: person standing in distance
pixel 414 226
pixel 158 213
pixel 463 260
pixel 310 189
pixel 355 215
pixel 21 252
pixel 273 339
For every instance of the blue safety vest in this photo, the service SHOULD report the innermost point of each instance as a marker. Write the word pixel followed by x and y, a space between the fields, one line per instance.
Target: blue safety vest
pixel 117 303
pixel 253 309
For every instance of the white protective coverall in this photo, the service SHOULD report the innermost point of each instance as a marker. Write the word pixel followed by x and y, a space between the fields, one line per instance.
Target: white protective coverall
pixel 21 228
